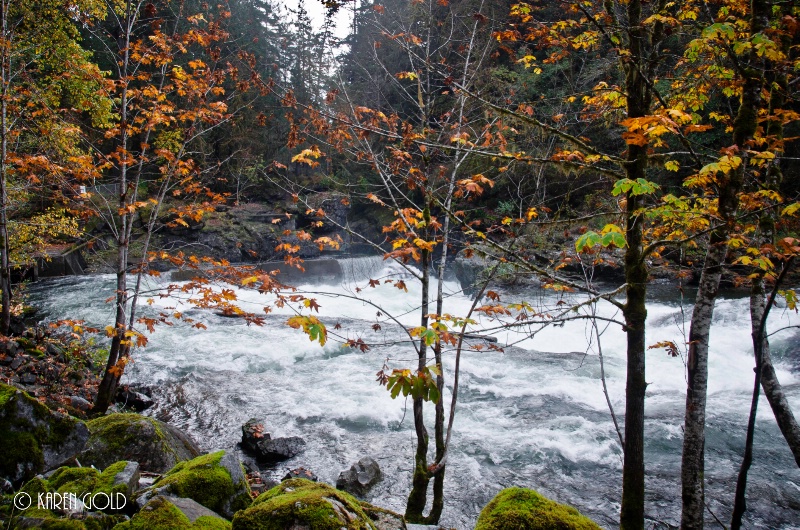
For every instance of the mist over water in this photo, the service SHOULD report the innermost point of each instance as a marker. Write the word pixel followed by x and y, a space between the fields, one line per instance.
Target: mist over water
pixel 532 416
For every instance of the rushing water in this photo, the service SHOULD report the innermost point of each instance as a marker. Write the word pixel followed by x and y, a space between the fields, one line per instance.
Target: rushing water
pixel 524 418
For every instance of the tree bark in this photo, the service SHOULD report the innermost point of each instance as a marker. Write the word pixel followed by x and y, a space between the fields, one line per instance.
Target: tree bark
pixel 5 268
pixel 635 313
pixel 418 496
pixel 120 347
pixel 729 186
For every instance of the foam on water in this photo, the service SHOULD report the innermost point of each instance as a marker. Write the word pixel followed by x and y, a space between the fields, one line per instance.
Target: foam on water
pixel 524 418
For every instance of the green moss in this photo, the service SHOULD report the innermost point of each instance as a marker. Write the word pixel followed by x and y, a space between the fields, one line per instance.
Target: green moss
pixel 19 448
pixel 22 438
pixel 308 503
pixel 120 431
pixel 105 481
pixel 6 393
pixel 524 509
pixel 76 480
pixel 163 515
pixel 205 481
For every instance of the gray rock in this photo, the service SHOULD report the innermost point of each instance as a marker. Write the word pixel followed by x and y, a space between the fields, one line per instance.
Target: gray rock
pixel 79 403
pixel 231 463
pixel 133 400
pixel 130 477
pixel 301 472
pixel 360 477
pixel 41 439
pixel 192 509
pixel 253 433
pixel 279 449
pixel 159 513
pixel 28 379
pixel 17 362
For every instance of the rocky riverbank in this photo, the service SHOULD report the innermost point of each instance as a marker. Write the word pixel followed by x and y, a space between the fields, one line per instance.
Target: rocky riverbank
pixel 127 471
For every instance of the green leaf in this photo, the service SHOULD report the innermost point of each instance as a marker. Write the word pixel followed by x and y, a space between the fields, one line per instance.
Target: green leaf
pixel 587 241
pixel 433 394
pixel 621 186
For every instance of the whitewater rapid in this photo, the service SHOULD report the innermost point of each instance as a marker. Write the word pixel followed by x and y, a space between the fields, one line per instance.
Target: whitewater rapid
pixel 524 418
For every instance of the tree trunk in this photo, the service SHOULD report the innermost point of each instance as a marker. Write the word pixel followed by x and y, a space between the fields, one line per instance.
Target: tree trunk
pixel 418 496
pixel 120 344
pixel 692 464
pixel 5 268
pixel 635 312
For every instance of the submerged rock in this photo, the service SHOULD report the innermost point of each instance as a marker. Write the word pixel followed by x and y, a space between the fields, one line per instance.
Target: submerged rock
pixel 253 433
pixel 216 480
pixel 300 503
pixel 300 472
pixel 157 446
pixel 33 438
pixel 525 509
pixel 174 514
pixel 360 477
pixel 132 399
pixel 279 449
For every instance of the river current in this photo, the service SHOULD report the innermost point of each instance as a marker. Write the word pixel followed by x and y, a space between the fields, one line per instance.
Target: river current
pixel 533 415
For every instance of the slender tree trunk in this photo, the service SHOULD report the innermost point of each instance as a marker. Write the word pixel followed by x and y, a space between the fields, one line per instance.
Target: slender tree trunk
pixel 757 314
pixel 635 312
pixel 692 464
pixel 5 267
pixel 418 496
pixel 120 344
pixel 759 310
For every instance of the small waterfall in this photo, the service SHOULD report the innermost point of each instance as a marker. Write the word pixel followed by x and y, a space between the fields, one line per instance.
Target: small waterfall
pixel 359 269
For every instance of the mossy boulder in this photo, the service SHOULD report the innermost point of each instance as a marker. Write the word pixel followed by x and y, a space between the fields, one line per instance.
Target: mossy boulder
pixel 34 438
pixel 525 509
pixel 300 503
pixel 109 491
pixel 120 478
pixel 216 480
pixel 163 513
pixel 155 445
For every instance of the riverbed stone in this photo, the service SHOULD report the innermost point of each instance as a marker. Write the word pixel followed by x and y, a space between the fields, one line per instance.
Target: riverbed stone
pixel 300 503
pixel 155 445
pixel 216 480
pixel 252 433
pixel 132 399
pixel 360 478
pixel 34 438
pixel 525 509
pixel 279 449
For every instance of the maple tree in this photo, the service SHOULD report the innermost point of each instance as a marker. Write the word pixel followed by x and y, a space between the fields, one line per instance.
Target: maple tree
pixel 49 85
pixel 168 85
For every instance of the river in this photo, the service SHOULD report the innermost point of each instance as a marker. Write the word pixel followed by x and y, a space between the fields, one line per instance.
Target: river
pixel 533 415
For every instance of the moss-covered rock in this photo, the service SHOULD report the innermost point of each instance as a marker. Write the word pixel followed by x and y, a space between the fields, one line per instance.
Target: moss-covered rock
pixel 300 503
pixel 34 438
pixel 157 446
pixel 79 481
pixel 162 513
pixel 108 491
pixel 216 480
pixel 524 509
